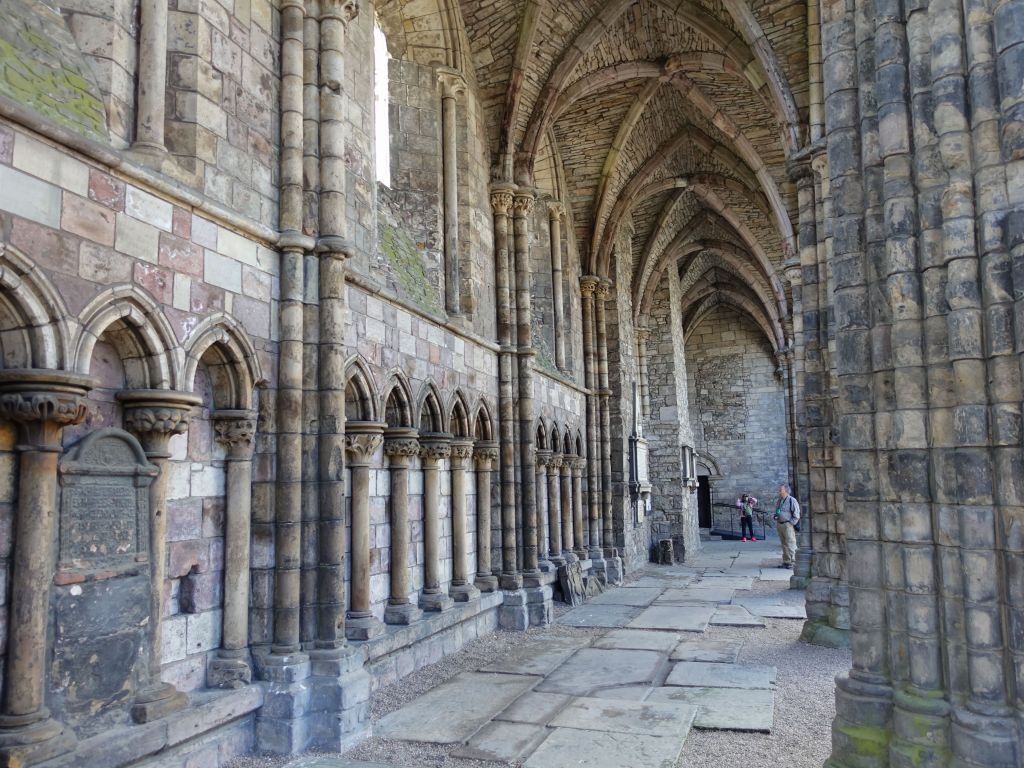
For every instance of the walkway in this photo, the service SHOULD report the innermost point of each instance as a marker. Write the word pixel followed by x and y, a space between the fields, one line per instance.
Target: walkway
pixel 620 681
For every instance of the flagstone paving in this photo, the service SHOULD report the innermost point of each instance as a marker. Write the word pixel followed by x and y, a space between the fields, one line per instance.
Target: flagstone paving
pixel 627 691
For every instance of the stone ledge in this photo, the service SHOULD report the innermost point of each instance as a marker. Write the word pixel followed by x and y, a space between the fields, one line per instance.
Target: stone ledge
pixel 208 711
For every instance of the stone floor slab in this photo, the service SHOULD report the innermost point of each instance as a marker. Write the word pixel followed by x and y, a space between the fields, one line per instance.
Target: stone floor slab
pixel 681 618
pixel 729 709
pixel 502 741
pixel 534 657
pixel 711 651
pixel 724 582
pixel 695 594
pixel 659 582
pixel 591 615
pixel 596 749
pixel 776 574
pixel 454 710
pixel 623 693
pixel 636 596
pixel 771 609
pixel 323 761
pixel 633 717
pixel 592 668
pixel 639 639
pixel 700 674
pixel 735 616
pixel 534 707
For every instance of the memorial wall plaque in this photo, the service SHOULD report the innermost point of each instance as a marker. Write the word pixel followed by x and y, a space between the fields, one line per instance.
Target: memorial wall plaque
pixel 104 512
pixel 101 596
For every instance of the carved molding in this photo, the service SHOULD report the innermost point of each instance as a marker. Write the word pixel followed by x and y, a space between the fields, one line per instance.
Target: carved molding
pixel 401 447
pixel 523 204
pixel 362 447
pixel 236 432
pixel 462 450
pixel 485 452
pixel 453 84
pixel 435 450
pixel 588 285
pixel 501 202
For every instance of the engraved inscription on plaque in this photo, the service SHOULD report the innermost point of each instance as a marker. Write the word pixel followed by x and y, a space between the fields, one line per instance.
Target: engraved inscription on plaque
pixel 104 514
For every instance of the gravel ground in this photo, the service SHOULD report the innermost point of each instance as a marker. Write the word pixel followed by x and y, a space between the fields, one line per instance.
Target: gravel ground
pixel 804 701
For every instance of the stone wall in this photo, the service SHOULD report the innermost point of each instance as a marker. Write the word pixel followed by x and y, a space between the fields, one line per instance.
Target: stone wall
pixel 737 406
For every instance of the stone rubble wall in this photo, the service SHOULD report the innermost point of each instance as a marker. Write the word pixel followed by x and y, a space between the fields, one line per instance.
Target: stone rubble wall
pixel 737 406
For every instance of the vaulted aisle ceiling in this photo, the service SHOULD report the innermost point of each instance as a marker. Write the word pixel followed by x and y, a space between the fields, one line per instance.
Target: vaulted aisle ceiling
pixel 669 119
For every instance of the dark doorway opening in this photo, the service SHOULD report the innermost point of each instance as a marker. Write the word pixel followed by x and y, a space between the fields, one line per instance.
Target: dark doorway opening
pixel 703 501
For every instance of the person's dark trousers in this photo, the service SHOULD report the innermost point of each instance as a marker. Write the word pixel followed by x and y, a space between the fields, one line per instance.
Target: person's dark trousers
pixel 747 524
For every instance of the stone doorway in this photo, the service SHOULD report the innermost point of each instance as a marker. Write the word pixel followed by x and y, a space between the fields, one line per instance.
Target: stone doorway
pixel 704 501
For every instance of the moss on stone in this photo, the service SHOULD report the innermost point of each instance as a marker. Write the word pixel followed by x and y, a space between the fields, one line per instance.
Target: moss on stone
pixel 42 69
pixel 407 266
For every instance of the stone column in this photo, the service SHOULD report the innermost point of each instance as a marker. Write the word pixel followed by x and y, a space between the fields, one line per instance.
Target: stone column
pixel 643 334
pixel 543 510
pixel 501 202
pixel 568 543
pixel 588 286
pixel 578 464
pixel 484 454
pixel 452 86
pixel 41 403
pixel 433 450
pixel 236 431
pixel 400 445
pixel 556 212
pixel 614 567
pixel 461 589
pixel 794 273
pixel 154 416
pixel 555 509
pixel 362 439
pixel 152 78
pixel 522 208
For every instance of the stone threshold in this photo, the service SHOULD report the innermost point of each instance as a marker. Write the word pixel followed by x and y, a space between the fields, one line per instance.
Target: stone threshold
pixel 208 711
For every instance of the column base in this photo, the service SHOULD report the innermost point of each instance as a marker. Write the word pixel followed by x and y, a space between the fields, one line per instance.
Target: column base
pixel 510 582
pixel 513 614
pixel 581 553
pixel 230 669
pixel 539 605
pixel 613 570
pixel 282 723
pixel 339 712
pixel 402 614
pixel 363 627
pixel 557 560
pixel 570 557
pixel 435 602
pixel 486 582
pixel 157 701
pixel 598 566
pixel 546 566
pixel 817 632
pixel 463 593
pixel 25 742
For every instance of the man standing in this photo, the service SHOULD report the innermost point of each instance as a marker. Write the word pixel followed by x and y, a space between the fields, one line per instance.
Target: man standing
pixel 787 517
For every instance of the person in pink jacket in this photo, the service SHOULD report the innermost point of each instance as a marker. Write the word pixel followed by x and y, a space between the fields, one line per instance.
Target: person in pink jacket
pixel 746 504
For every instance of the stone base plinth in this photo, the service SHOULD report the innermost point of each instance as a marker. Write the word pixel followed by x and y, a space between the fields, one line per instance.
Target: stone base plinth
pixel 570 557
pixel 488 583
pixel 463 593
pixel 282 724
pixel 817 632
pixel 435 601
pixel 339 707
pixel 539 605
pixel 598 567
pixel 26 744
pixel 613 570
pixel 513 613
pixel 405 613
pixel 363 628
pixel 157 702
pixel 229 671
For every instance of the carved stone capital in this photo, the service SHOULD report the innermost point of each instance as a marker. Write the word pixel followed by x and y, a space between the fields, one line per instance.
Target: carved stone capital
pixel 346 10
pixel 361 447
pixel 401 446
pixel 236 431
pixel 542 458
pixel 556 211
pixel 453 84
pixel 155 415
pixel 523 203
pixel 588 285
pixel 461 450
pixel 793 272
pixel 501 201
pixel 643 335
pixel 485 452
pixel 579 464
pixel 604 289
pixel 42 403
pixel 555 462
pixel 433 448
